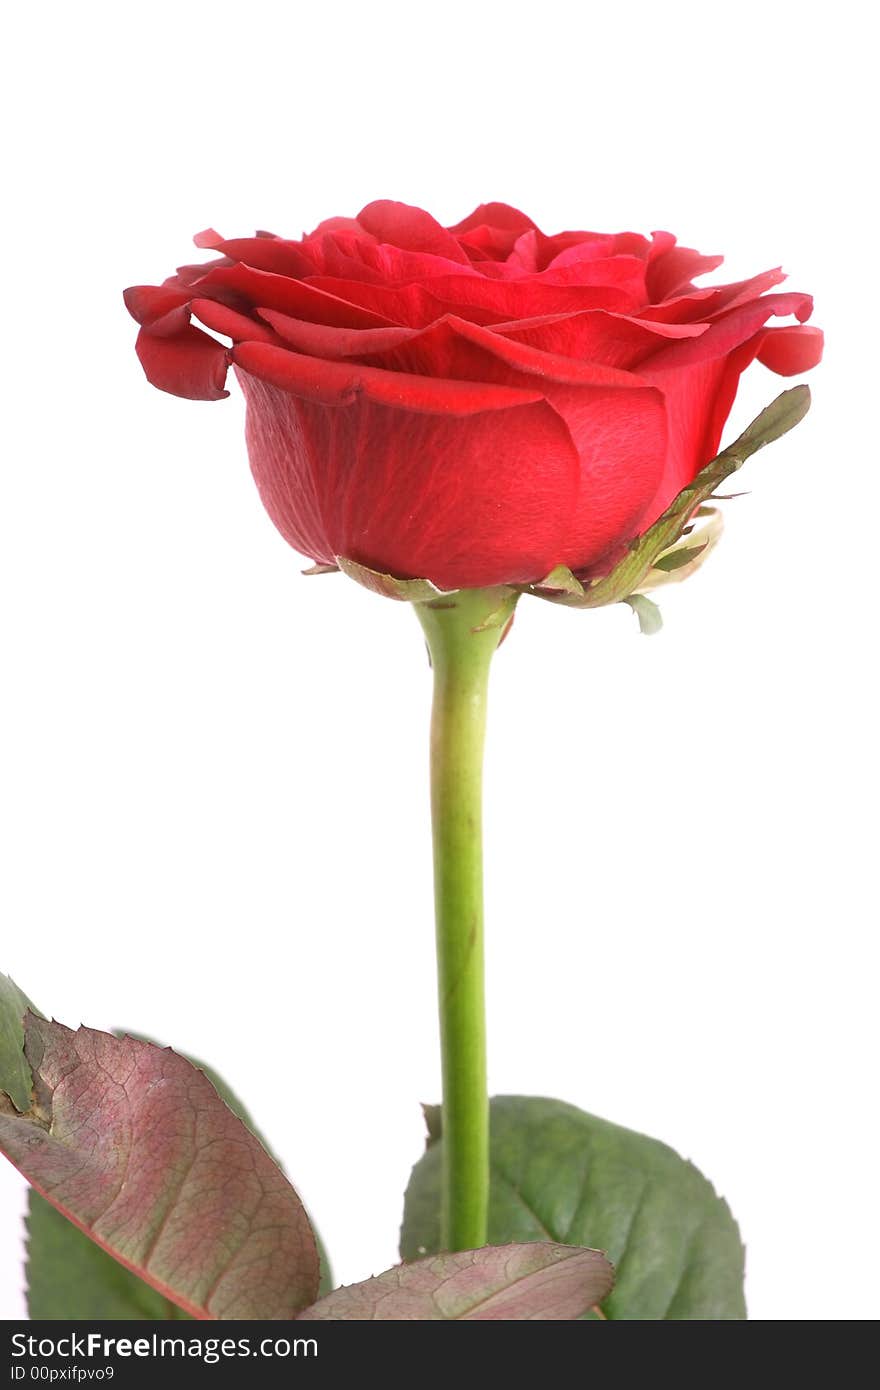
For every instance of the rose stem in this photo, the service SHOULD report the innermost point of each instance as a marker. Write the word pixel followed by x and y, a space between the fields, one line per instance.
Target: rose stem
pixel 462 631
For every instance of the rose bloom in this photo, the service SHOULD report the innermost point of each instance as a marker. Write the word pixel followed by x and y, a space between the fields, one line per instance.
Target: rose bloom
pixel 474 404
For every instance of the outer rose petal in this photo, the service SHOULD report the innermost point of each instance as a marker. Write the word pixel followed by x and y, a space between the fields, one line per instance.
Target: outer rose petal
pixel 149 304
pixel 691 393
pixel 790 351
pixel 188 363
pixel 616 425
pixel 699 395
pixel 268 253
pixel 476 500
pixel 617 421
pixel 694 304
pixel 729 331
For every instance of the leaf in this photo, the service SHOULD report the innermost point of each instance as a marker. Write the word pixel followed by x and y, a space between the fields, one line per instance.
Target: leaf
pixel 559 1174
pixel 647 612
pixel 132 1143
pixel 630 574
pixel 15 1074
pixel 526 1283
pixel 69 1277
pixel 226 1093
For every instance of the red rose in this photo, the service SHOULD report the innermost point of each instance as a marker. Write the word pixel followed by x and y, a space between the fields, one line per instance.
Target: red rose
pixel 472 405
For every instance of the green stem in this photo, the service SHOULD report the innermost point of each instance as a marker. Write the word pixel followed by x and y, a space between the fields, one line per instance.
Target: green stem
pixel 463 631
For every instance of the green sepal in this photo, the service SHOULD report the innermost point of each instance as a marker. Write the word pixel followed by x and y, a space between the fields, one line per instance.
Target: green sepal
pixel 674 559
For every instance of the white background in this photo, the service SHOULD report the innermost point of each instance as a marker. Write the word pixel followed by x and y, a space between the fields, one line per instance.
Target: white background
pixel 214 785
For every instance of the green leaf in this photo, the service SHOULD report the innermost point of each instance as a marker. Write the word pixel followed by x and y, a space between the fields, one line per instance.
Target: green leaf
pixel 15 1074
pixel 536 1281
pixel 71 1278
pixel 561 1175
pixel 647 612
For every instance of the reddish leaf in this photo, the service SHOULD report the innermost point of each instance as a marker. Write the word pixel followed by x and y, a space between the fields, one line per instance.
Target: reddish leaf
pixel 132 1143
pixel 523 1283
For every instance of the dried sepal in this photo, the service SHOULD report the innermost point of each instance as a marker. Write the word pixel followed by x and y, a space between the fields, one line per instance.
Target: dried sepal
pixel 647 612
pixel 406 590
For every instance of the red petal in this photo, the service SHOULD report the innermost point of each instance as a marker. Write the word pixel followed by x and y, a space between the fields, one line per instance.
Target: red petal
pixel 413 494
pixel 239 327
pixel 703 304
pixel 690 394
pixel 410 228
pixel 335 224
pixel 268 253
pixel 189 364
pixel 790 351
pixel 393 264
pixel 323 340
pixel 148 304
pixel 453 347
pixel 675 268
pixel 474 297
pixel 303 300
pixel 700 393
pixel 619 438
pixel 727 333
pixel 207 240
pixel 494 215
pixel 597 336
pixel 341 383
